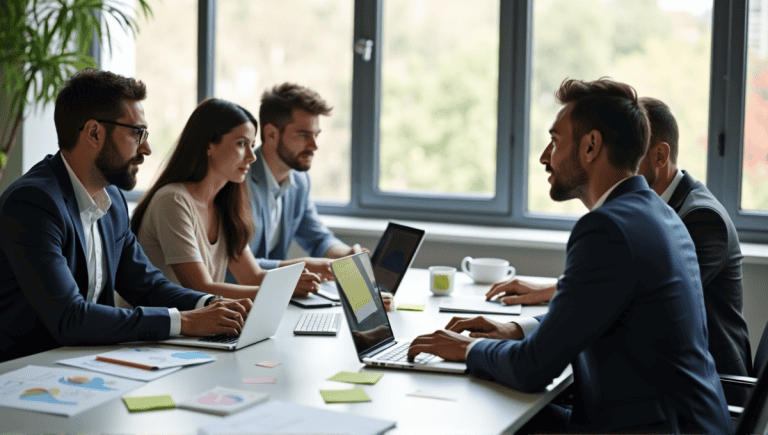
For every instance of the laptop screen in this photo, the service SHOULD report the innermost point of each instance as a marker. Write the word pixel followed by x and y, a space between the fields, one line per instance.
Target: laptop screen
pixel 362 303
pixel 394 254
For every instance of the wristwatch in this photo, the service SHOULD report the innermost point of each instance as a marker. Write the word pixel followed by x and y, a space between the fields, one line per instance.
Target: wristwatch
pixel 211 299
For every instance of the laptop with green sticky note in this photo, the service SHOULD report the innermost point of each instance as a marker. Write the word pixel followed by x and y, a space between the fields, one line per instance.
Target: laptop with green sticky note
pixel 369 324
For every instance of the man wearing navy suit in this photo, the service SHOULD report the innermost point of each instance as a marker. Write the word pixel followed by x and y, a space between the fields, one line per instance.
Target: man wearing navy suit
pixel 65 243
pixel 629 312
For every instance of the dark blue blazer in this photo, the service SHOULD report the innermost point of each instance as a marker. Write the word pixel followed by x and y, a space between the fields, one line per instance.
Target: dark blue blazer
pixel 629 315
pixel 44 275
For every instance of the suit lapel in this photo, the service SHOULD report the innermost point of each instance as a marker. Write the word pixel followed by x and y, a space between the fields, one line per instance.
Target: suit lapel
pixel 681 192
pixel 106 229
pixel 259 177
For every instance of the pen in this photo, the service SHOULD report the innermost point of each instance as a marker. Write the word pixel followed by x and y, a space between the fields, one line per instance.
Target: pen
pixel 125 363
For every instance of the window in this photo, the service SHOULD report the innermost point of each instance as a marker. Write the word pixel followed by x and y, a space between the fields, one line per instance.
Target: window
pixel 442 110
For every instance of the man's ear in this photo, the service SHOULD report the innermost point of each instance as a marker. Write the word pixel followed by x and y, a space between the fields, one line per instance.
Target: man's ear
pixel 93 133
pixel 591 145
pixel 660 155
pixel 271 133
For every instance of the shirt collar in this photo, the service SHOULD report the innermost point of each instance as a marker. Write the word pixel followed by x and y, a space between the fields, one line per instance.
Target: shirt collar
pixel 667 195
pixel 85 202
pixel 602 199
pixel 277 190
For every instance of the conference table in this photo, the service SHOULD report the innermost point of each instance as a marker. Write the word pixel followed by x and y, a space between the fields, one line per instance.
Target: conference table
pixel 474 405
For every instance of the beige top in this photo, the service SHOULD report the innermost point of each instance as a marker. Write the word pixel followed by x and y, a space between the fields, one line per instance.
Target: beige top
pixel 173 232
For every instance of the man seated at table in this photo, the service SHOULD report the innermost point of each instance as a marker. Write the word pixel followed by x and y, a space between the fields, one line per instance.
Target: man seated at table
pixel 280 186
pixel 65 243
pixel 629 311
pixel 717 248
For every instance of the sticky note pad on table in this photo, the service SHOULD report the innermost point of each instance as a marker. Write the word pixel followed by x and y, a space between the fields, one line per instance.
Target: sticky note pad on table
pixel 268 364
pixel 356 378
pixel 411 307
pixel 259 380
pixel 149 403
pixel 345 396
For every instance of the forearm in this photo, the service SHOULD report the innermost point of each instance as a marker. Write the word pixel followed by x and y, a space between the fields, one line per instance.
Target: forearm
pixel 227 290
pixel 338 251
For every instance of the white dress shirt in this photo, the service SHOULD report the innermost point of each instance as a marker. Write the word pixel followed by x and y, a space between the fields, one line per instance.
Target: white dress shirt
pixel 91 210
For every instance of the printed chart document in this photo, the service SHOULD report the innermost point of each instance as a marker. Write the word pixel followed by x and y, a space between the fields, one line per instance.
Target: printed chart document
pixel 223 401
pixel 282 417
pixel 91 363
pixel 153 358
pixel 477 305
pixel 60 391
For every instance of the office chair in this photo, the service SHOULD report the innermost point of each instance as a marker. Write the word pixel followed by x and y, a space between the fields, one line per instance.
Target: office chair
pixel 758 366
pixel 754 419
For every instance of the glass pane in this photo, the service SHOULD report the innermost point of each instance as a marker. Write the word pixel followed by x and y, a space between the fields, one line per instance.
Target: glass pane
pixel 754 182
pixel 166 61
pixel 439 96
pixel 262 43
pixel 660 48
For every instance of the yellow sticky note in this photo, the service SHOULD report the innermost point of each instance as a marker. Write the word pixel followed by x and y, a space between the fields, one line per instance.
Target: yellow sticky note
pixel 356 378
pixel 149 403
pixel 345 396
pixel 411 307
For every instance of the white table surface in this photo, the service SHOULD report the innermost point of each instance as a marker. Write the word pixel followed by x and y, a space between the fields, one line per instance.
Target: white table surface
pixel 480 406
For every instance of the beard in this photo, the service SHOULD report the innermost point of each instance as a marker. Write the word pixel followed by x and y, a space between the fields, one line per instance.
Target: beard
pixel 571 182
pixel 114 169
pixel 292 160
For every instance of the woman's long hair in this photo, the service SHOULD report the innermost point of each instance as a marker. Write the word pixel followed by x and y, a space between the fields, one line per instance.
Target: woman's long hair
pixel 212 119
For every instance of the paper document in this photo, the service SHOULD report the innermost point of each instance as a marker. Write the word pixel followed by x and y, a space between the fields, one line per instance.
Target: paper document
pixel 477 305
pixel 91 363
pixel 276 417
pixel 223 401
pixel 60 391
pixel 153 358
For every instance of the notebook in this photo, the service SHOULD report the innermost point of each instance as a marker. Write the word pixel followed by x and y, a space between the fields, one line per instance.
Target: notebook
pixel 263 319
pixel 478 305
pixel 392 257
pixel 368 322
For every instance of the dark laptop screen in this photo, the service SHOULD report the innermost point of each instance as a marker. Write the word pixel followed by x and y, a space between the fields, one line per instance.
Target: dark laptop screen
pixel 362 303
pixel 394 254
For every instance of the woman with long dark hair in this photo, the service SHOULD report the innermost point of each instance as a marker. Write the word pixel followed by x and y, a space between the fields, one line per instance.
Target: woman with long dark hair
pixel 195 221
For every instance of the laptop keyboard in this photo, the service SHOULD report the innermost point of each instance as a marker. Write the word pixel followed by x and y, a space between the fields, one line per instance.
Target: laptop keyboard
pixel 221 338
pixel 318 324
pixel 400 353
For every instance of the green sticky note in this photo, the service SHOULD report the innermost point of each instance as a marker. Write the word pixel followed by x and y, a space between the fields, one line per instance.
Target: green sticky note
pixel 149 403
pixel 345 396
pixel 411 307
pixel 356 378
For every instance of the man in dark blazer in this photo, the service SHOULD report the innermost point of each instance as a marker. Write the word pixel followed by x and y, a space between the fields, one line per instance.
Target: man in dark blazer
pixel 715 238
pixel 65 243
pixel 629 312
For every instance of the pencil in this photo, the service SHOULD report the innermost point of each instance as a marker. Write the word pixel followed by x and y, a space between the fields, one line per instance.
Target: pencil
pixel 125 363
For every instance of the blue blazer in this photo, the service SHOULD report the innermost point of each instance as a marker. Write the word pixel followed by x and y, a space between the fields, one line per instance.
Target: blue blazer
pixel 300 218
pixel 44 275
pixel 629 315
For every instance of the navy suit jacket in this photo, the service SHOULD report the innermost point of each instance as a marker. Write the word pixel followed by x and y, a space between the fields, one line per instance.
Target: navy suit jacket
pixel 44 275
pixel 300 219
pixel 629 315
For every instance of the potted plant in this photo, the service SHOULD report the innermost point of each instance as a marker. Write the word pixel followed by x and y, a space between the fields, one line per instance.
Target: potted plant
pixel 43 42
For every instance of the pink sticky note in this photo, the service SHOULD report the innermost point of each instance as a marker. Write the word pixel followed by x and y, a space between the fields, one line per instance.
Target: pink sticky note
pixel 259 380
pixel 268 364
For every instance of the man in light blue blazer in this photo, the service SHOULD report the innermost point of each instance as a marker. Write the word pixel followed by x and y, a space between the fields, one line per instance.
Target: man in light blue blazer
pixel 280 186
pixel 628 314
pixel 65 243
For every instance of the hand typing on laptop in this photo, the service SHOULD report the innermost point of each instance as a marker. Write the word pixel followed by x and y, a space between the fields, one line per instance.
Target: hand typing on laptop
pixel 448 345
pixel 483 327
pixel 223 316
pixel 308 283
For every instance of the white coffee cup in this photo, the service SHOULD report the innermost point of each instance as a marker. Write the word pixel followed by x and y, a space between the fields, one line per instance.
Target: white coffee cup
pixel 487 270
pixel 441 279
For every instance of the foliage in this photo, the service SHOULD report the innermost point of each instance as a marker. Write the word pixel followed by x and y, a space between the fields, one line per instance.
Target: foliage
pixel 43 42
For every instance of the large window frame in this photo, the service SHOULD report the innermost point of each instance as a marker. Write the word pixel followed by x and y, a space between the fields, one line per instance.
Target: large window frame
pixel 508 206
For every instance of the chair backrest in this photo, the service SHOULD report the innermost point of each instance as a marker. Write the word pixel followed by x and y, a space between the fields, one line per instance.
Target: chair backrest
pixel 754 419
pixel 761 355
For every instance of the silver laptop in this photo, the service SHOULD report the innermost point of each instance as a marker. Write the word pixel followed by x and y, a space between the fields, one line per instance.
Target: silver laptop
pixel 368 322
pixel 263 319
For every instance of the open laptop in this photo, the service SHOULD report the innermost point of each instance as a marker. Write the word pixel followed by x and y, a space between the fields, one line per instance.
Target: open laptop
pixel 263 319
pixel 368 322
pixel 392 257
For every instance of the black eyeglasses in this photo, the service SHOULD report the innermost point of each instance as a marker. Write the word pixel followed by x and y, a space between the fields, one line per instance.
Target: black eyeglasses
pixel 141 133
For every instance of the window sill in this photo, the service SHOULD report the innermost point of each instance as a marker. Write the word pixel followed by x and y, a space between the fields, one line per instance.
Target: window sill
pixel 490 236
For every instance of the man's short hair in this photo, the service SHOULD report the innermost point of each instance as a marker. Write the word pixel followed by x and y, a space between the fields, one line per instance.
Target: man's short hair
pixel 277 105
pixel 92 94
pixel 663 125
pixel 613 109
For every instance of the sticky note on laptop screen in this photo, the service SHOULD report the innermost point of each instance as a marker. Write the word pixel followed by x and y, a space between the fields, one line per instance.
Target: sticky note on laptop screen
pixel 350 277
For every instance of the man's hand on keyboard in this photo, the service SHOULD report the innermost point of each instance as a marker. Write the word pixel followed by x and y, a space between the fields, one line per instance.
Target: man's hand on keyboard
pixel 483 327
pixel 223 316
pixel 448 345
